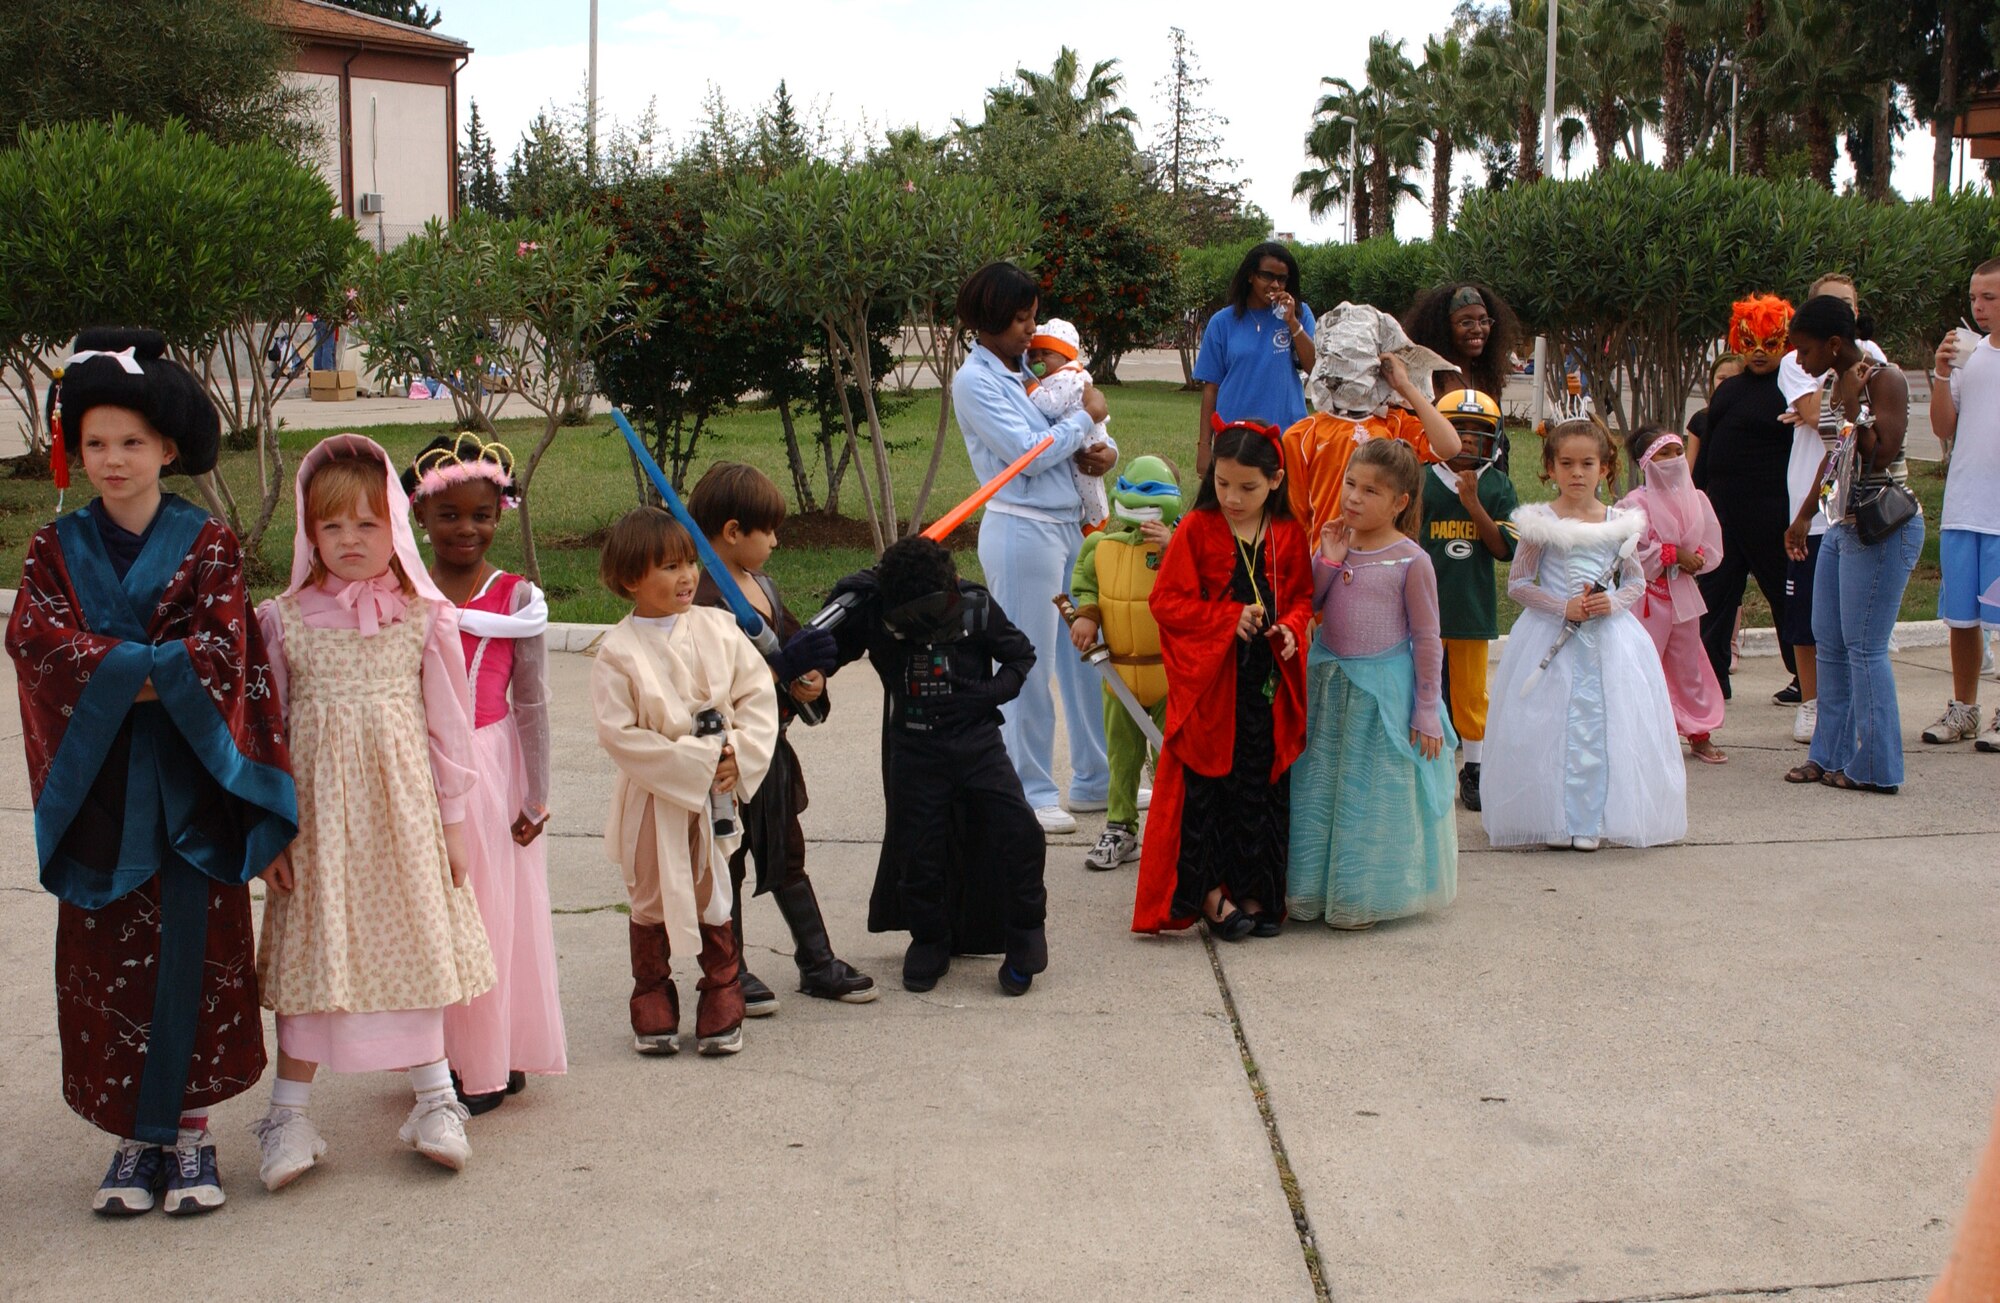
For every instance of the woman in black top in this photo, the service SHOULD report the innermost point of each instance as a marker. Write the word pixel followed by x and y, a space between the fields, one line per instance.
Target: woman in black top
pixel 1745 452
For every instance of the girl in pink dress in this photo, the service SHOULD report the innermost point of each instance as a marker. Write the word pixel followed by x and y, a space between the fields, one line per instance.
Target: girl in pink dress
pixel 1682 540
pixel 370 931
pixel 458 487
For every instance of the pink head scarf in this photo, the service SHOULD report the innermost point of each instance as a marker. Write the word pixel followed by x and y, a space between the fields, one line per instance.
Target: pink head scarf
pixel 379 601
pixel 1680 514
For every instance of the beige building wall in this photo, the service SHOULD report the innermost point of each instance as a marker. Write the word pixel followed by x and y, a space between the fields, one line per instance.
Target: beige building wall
pixel 402 151
pixel 324 92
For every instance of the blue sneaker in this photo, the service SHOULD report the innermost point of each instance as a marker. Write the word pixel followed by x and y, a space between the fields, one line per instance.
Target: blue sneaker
pixel 132 1182
pixel 193 1184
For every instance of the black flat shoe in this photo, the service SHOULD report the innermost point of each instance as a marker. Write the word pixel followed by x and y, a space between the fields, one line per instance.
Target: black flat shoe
pixel 477 1104
pixel 1789 695
pixel 924 964
pixel 759 1000
pixel 516 1082
pixel 1266 925
pixel 1233 926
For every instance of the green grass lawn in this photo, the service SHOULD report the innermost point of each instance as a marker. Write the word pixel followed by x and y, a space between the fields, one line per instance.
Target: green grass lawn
pixel 585 483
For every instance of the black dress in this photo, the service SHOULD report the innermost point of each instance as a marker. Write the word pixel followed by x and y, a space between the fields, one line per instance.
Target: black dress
pixel 1236 829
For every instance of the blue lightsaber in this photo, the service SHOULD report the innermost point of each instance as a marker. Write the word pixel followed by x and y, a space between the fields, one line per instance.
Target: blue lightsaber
pixel 761 635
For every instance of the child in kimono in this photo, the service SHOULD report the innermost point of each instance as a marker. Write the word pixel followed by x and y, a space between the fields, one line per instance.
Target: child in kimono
pixel 370 931
pixel 146 695
pixel 688 712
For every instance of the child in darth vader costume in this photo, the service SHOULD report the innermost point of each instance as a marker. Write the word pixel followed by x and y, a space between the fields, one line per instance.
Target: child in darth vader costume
pixel 962 855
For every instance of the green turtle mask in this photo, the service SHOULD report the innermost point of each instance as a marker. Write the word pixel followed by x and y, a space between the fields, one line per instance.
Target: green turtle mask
pixel 1146 490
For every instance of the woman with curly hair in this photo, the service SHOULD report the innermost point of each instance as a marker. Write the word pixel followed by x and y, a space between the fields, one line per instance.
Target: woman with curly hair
pixel 1471 327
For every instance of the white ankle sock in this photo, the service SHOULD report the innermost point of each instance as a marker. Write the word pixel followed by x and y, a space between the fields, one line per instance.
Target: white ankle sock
pixel 431 1079
pixel 294 1095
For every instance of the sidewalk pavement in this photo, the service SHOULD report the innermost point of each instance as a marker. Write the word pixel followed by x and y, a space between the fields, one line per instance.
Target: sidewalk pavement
pixel 1762 1061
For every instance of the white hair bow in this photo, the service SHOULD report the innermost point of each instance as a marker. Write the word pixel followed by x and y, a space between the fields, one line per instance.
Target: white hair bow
pixel 123 357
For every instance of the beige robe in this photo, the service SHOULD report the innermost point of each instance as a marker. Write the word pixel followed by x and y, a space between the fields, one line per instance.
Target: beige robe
pixel 645 690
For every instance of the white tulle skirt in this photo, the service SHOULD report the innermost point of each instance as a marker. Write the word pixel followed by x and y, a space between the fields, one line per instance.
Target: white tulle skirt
pixel 1591 750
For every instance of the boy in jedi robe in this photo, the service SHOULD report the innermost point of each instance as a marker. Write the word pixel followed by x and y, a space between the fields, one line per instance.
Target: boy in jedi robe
pixel 161 782
pixel 688 711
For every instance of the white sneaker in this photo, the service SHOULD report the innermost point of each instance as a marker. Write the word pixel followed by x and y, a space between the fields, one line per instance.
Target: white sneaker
pixel 1088 807
pixel 1959 722
pixel 289 1144
pixel 436 1129
pixel 1990 739
pixel 1054 818
pixel 1145 798
pixel 1583 843
pixel 1805 721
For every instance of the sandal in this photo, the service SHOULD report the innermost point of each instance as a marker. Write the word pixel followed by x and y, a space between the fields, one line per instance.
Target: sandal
pixel 1846 784
pixel 1712 756
pixel 1806 773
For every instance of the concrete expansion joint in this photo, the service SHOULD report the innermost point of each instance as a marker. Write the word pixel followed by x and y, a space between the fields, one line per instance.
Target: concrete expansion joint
pixel 1757 1291
pixel 1288 1181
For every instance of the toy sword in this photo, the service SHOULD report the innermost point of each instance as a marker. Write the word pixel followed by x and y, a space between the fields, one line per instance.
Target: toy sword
pixel 1570 627
pixel 1099 659
pixel 753 625
pixel 941 528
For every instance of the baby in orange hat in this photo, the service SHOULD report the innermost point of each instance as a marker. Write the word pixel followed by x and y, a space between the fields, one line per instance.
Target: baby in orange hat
pixel 1056 384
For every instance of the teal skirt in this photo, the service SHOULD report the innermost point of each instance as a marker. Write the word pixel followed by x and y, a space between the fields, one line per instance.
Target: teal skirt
pixel 1373 833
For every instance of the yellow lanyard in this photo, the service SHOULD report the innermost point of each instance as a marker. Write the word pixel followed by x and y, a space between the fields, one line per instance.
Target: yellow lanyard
pixel 1250 562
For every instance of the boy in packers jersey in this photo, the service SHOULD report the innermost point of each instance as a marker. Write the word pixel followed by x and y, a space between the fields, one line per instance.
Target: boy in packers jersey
pixel 1468 505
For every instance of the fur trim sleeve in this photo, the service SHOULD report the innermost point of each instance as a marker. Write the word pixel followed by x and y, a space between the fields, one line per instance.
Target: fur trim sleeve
pixel 1538 524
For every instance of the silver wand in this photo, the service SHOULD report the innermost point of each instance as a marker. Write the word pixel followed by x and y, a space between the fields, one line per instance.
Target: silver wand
pixel 1600 584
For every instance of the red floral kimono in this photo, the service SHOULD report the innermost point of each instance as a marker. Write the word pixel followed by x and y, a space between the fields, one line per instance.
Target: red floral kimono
pixel 1196 601
pixel 150 817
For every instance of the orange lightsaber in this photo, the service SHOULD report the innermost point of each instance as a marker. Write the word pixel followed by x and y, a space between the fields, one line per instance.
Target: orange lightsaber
pixel 952 519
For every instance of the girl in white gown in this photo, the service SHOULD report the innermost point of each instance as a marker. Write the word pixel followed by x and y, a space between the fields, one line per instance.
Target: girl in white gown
pixel 1586 751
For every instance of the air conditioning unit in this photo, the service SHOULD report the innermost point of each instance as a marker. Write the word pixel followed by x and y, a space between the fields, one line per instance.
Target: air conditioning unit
pixel 371 204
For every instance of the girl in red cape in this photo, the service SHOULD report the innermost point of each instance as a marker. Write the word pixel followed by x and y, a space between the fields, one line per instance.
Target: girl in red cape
pixel 1234 603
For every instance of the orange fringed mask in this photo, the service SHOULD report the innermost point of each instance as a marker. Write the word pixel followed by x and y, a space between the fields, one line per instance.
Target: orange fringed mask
pixel 1759 324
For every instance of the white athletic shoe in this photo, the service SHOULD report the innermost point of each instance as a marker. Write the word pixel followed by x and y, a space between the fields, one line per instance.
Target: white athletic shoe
pixel 289 1144
pixel 1990 739
pixel 436 1129
pixel 1805 721
pixel 1583 843
pixel 1088 807
pixel 1055 819
pixel 1959 722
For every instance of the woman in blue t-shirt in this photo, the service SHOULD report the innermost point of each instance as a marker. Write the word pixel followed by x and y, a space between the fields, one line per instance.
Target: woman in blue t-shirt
pixel 1253 350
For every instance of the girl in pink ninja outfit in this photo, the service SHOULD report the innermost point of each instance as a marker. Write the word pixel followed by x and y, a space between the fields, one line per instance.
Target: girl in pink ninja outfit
pixel 1682 540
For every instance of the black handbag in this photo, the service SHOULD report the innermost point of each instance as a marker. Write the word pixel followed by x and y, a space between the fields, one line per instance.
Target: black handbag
pixel 1881 507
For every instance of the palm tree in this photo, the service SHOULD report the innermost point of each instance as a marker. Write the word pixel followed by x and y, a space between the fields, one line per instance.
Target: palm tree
pixel 1681 24
pixel 1811 66
pixel 1394 130
pixel 1330 143
pixel 1074 102
pixel 1615 69
pixel 1507 63
pixel 1454 113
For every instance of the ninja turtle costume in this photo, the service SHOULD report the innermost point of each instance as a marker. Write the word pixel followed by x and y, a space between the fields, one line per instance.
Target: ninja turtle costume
pixel 1111 584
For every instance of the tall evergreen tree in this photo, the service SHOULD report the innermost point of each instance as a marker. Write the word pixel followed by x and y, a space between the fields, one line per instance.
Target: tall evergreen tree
pixel 402 11
pixel 1187 163
pixel 479 187
pixel 780 140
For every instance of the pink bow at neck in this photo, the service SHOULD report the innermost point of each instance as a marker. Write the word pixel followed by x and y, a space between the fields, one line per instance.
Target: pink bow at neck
pixel 374 602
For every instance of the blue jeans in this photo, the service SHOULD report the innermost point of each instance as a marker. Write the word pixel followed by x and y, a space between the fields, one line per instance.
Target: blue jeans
pixel 1857 591
pixel 1027 562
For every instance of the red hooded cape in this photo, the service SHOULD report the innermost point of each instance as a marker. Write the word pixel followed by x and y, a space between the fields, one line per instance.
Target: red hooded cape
pixel 1197 619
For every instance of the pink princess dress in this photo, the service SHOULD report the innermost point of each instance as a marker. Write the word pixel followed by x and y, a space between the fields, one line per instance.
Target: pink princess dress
pixel 1679 522
pixel 518 1025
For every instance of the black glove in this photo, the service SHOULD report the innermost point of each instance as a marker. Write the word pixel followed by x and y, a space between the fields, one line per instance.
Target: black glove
pixel 809 650
pixel 971 700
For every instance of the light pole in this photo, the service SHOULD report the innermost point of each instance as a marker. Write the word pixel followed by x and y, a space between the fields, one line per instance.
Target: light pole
pixel 1735 71
pixel 1540 406
pixel 1353 171
pixel 590 105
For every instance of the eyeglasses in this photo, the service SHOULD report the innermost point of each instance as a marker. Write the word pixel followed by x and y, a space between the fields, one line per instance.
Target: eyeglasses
pixel 1476 323
pixel 1273 278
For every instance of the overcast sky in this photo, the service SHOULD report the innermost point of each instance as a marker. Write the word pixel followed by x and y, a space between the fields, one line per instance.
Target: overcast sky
pixel 875 63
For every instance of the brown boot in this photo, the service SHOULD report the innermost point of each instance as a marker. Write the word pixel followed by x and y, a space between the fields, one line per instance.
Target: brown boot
pixel 656 1005
pixel 718 1014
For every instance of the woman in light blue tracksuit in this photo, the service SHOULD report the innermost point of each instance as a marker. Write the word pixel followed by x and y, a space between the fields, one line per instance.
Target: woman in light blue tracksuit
pixel 1030 535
